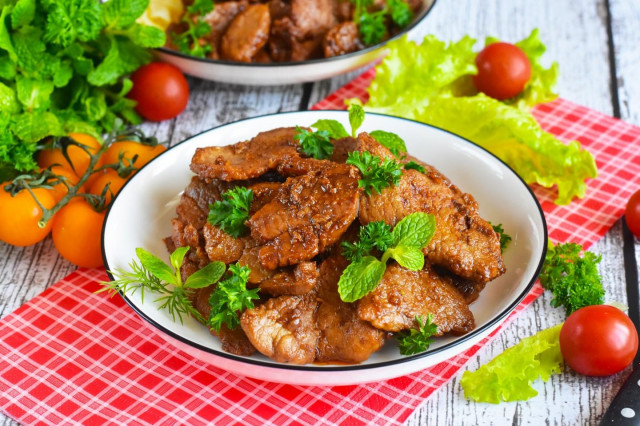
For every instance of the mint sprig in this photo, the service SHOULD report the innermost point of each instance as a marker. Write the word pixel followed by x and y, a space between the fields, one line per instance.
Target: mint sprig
pixel 408 238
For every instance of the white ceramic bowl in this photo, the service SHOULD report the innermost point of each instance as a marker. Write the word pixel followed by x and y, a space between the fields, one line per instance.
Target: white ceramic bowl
pixel 275 73
pixel 140 217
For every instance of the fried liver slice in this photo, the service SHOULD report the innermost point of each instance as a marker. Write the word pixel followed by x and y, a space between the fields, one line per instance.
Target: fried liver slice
pixel 245 160
pixel 309 213
pixel 463 242
pixel 402 295
pixel 343 336
pixel 283 328
pixel 247 34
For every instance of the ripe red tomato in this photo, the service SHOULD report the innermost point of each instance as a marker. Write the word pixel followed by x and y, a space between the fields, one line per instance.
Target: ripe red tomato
pixel 160 90
pixel 598 340
pixel 77 232
pixel 503 70
pixel 632 213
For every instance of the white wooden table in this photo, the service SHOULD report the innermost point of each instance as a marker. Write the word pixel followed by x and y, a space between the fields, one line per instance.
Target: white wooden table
pixel 596 44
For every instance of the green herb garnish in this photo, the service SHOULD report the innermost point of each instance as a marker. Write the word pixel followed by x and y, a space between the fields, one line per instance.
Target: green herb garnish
pixel 230 297
pixel 231 213
pixel 188 41
pixel 414 341
pixel 505 238
pixel 393 142
pixel 374 234
pixel 412 165
pixel 377 174
pixel 401 13
pixel 356 118
pixel 314 144
pixel 152 274
pixel 334 128
pixel 407 239
pixel 372 27
pixel 573 280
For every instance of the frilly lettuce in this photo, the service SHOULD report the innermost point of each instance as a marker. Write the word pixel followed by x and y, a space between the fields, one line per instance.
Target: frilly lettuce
pixel 432 82
pixel 508 376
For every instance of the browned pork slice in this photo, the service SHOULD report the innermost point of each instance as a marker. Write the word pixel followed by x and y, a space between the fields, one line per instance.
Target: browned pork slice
pixel 463 242
pixel 233 341
pixel 312 18
pixel 245 160
pixel 341 39
pixel 470 290
pixel 247 34
pixel 283 328
pixel 263 193
pixel 221 246
pixel 402 295
pixel 343 336
pixel 309 213
pixel 219 19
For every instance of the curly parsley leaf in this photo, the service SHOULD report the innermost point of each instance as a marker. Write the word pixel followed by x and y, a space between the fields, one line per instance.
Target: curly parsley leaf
pixel 314 144
pixel 505 238
pixel 401 13
pixel 412 165
pixel 230 297
pixel 376 174
pixel 374 234
pixel 414 341
pixel 153 275
pixel 372 27
pixel 335 128
pixel 231 213
pixel 573 279
pixel 393 142
pixel 188 41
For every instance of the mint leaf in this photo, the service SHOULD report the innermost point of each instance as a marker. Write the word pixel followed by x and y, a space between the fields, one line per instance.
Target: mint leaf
pixel 408 257
pixel 122 58
pixel 414 230
pixel 156 266
pixel 390 140
pixel 7 67
pixel 147 36
pixel 360 278
pixel 177 257
pixel 335 129
pixel 23 13
pixel 63 74
pixel 5 37
pixel 206 276
pixel 356 118
pixel 120 14
pixel 34 93
pixel 33 126
pixel 8 100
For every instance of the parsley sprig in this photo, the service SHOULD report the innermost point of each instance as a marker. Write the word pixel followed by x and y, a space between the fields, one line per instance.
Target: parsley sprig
pixel 407 239
pixel 374 234
pixel 153 275
pixel 505 238
pixel 188 41
pixel 230 297
pixel 573 279
pixel 372 26
pixel 314 144
pixel 412 165
pixel 377 174
pixel 232 211
pixel 414 340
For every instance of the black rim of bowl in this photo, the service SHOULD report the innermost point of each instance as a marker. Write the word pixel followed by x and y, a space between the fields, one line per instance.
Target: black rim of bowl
pixel 315 368
pixel 405 30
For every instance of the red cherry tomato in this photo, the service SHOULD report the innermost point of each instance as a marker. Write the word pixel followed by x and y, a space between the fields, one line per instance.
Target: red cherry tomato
pixel 632 213
pixel 503 70
pixel 598 340
pixel 160 90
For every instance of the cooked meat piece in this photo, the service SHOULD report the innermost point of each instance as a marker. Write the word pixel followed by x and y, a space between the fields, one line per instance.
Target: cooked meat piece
pixel 294 280
pixel 312 18
pixel 401 295
pixel 245 160
pixel 343 336
pixel 342 147
pixel 263 193
pixel 262 57
pixel 279 9
pixel 184 235
pixel 306 49
pixel 220 18
pixel 283 328
pixel 247 34
pixel 233 341
pixel 195 200
pixel 415 5
pixel 470 290
pixel 310 213
pixel 463 242
pixel 341 39
pixel 280 42
pixel 221 246
pixel 343 10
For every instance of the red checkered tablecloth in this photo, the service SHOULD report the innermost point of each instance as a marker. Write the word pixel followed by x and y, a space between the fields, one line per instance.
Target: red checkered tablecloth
pixel 71 356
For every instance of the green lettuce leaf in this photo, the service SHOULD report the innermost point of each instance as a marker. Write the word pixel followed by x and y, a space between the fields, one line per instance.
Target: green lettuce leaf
pixel 432 82
pixel 508 376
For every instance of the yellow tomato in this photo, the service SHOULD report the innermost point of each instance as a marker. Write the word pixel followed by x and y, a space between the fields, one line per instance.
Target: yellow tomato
pixel 60 190
pixel 108 176
pixel 130 149
pixel 78 156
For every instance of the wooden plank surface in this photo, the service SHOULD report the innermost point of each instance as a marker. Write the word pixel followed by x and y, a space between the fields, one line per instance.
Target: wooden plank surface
pixel 577 36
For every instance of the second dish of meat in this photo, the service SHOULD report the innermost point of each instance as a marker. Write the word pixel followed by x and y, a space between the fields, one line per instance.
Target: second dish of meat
pixel 301 212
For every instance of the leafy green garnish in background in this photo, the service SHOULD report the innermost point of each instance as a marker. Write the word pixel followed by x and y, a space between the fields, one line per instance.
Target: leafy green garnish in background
pixel 314 144
pixel 188 41
pixel 377 174
pixel 432 82
pixel 414 341
pixel 230 297
pixel 400 12
pixel 152 274
pixel 231 213
pixel 62 69
pixel 508 376
pixel 573 279
pixel 404 244
pixel 412 165
pixel 372 25
pixel 505 238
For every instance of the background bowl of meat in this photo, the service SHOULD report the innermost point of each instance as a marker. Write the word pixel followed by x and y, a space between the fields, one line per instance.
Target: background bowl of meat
pixel 285 42
pixel 142 214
